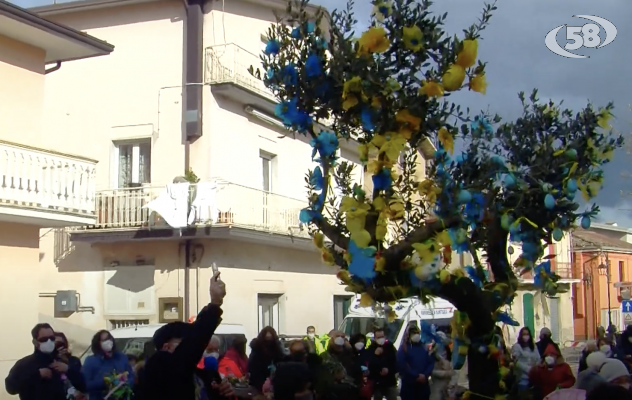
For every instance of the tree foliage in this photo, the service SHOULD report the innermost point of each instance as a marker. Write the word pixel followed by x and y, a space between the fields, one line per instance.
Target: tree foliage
pixel 389 91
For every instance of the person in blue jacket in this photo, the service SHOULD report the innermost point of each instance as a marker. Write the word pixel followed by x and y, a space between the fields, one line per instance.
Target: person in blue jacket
pixel 415 365
pixel 105 361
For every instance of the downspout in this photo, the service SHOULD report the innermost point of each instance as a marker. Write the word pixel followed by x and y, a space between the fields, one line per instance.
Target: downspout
pixel 193 54
pixel 53 69
pixel 187 267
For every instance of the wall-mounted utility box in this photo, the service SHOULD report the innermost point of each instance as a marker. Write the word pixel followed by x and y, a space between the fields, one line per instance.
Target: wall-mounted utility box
pixel 170 309
pixel 66 303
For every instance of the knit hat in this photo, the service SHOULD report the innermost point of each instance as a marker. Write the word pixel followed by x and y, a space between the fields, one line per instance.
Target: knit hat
pixel 613 369
pixel 173 330
pixel 550 350
pixel 545 332
pixel 595 360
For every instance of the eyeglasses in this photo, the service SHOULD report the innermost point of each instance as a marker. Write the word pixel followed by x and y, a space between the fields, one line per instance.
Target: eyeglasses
pixel 46 339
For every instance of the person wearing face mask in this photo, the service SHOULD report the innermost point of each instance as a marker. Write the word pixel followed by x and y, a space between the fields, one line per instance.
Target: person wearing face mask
pixel 415 365
pixel 39 376
pixel 591 347
pixel 235 361
pixel 340 375
pixel 211 351
pixel 313 342
pixel 551 374
pixel 171 373
pixel 545 341
pixel 383 366
pixel 105 360
pixel 525 356
pixel 266 352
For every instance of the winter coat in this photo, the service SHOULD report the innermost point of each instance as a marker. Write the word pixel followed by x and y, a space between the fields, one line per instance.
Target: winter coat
pixel 442 379
pixel 524 360
pixel 233 364
pixel 175 376
pixel 339 376
pixel 261 363
pixel 388 360
pixel 548 378
pixel 99 366
pixel 24 379
pixel 413 359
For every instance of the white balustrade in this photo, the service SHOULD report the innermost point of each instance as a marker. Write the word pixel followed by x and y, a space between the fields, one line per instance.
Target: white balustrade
pixel 234 205
pixel 229 63
pixel 46 181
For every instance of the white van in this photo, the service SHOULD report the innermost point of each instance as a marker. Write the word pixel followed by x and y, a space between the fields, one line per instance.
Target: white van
pixel 364 319
pixel 140 337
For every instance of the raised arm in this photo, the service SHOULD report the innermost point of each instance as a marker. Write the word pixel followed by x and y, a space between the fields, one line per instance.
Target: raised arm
pixel 191 349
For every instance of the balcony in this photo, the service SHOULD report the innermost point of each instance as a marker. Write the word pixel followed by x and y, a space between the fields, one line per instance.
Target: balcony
pixel 45 188
pixel 226 71
pixel 231 210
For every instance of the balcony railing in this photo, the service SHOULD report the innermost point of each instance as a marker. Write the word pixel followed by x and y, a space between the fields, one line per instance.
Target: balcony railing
pixel 229 63
pixel 228 204
pixel 565 270
pixel 46 181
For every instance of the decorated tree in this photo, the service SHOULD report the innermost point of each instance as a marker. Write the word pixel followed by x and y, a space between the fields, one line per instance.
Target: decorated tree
pixel 388 90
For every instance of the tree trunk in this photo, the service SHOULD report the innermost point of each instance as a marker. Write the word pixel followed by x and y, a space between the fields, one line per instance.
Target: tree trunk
pixel 483 375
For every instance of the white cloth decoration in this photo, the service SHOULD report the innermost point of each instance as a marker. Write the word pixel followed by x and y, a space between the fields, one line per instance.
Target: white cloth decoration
pixel 172 204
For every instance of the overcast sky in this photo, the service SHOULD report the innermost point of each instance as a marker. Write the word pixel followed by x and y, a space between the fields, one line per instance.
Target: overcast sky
pixel 518 60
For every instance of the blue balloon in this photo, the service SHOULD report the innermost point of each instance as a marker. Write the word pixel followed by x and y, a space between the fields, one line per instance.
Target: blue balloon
pixel 464 196
pixel 549 201
pixel 557 234
pixel 571 186
pixel 509 180
pixel 585 222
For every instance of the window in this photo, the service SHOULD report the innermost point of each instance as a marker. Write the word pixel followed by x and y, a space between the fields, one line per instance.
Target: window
pixel 269 314
pixel 341 309
pixel 267 163
pixel 621 271
pixel 133 163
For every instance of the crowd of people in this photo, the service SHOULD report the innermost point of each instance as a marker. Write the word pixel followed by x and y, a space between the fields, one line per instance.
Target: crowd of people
pixel 188 365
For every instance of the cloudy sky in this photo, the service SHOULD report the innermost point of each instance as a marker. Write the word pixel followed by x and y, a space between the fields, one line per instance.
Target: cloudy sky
pixel 518 60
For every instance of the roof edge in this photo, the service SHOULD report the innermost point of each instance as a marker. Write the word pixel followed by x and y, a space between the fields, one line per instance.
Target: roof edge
pixel 30 18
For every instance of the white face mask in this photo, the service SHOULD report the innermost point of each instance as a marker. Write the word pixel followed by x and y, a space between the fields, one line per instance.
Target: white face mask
pixel 380 341
pixel 47 347
pixel 311 335
pixel 416 338
pixel 213 354
pixel 359 346
pixel 605 349
pixel 107 345
pixel 339 341
pixel 526 338
pixel 549 360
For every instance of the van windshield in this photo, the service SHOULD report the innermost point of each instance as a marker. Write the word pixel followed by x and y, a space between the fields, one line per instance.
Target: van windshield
pixel 143 347
pixel 354 325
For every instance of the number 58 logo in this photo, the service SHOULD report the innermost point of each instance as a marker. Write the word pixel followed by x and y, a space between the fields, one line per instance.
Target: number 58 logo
pixel 581 36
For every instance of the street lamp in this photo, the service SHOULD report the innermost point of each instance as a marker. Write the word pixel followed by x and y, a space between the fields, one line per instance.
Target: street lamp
pixel 605 269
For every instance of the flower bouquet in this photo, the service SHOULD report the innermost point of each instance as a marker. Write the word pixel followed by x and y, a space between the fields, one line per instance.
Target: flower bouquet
pixel 118 386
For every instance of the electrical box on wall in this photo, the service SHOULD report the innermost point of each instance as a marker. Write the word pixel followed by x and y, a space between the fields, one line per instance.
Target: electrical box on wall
pixel 66 303
pixel 170 309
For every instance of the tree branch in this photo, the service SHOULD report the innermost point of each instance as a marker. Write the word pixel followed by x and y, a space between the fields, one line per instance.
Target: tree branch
pixel 496 250
pixel 394 255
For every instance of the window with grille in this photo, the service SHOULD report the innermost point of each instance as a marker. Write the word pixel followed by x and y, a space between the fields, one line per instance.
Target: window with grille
pixel 125 323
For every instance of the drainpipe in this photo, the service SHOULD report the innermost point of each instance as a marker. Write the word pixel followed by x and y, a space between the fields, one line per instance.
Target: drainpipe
pixel 193 59
pixel 53 69
pixel 187 266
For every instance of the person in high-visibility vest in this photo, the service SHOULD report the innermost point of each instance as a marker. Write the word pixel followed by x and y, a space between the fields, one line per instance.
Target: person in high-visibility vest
pixel 313 342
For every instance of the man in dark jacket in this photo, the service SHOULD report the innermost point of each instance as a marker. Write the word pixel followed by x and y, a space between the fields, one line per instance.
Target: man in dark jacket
pixel 172 373
pixel 382 357
pixel 545 341
pixel 39 375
